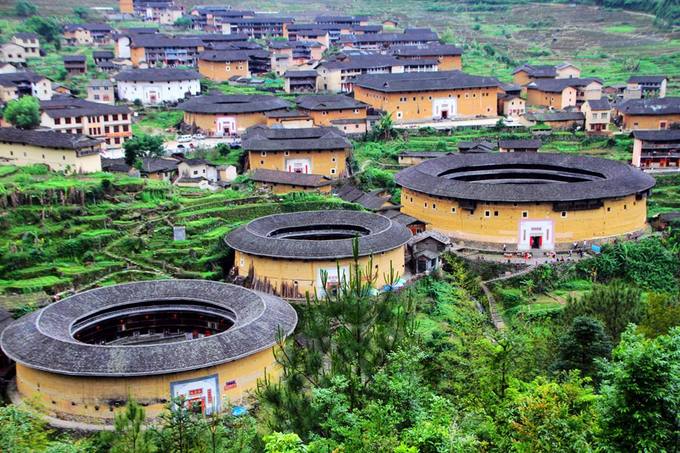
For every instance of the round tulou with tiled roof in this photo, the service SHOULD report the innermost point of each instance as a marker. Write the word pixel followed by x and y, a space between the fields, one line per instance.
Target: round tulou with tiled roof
pixel 152 340
pixel 528 199
pixel 285 253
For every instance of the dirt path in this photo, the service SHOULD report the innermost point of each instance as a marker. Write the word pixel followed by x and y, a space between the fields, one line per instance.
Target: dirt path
pixel 496 318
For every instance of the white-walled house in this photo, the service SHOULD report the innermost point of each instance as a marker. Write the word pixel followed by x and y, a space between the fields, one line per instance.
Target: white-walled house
pixel 157 85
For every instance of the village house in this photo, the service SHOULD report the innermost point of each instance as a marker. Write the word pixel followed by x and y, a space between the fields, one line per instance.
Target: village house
pixel 343 112
pixel 157 85
pixel 365 29
pixel 288 118
pixel 103 59
pixel 382 41
pixel 646 87
pixel 75 64
pixel 424 250
pixel 316 35
pixel 158 168
pixel 563 93
pixel 287 54
pixel 656 149
pixel 201 168
pixel 211 17
pixel 299 81
pixel 597 113
pixel 557 120
pixel 282 182
pixel 260 26
pixel 315 150
pixel 13 54
pixel 87 34
pixel 650 113
pixel 13 85
pixel 449 57
pixel 297 32
pixel 476 146
pixel 6 68
pixel 71 115
pixel 519 146
pixel 222 65
pixel 228 115
pixel 101 90
pixel 427 96
pixel 338 74
pixel 345 21
pixel 29 41
pixel 75 153
pixel 258 58
pixel 155 49
pixel 510 102
pixel 527 73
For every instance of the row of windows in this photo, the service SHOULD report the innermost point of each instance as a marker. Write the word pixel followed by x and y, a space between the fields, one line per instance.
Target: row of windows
pixel 525 214
pixel 92 119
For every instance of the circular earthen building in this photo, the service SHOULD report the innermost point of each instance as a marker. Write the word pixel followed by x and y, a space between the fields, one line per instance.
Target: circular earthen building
pixel 527 200
pixel 85 356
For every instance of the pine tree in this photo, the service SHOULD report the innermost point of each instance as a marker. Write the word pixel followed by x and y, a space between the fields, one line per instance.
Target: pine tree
pixel 346 334
pixel 616 305
pixel 130 434
pixel 585 341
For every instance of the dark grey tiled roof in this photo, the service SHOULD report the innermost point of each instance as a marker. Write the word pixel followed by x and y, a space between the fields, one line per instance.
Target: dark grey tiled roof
pixel 599 104
pixel 558 85
pixel 223 55
pixel 292 74
pixel 158 164
pixel 651 106
pixel 257 238
pixel 91 27
pixel 399 217
pixel 47 139
pixel 289 178
pixel 43 339
pixel 262 138
pixel 601 178
pixel 328 102
pixel 115 165
pixel 529 144
pixel 370 200
pixel 157 75
pixel 658 136
pixel 537 70
pixel 431 50
pixel 103 54
pixel 646 79
pixel 424 81
pixel 232 103
pixel 74 58
pixel 65 106
pixel 414 35
pixel 17 78
pixel 26 35
pixel 286 114
pixel 476 146
pixel 422 154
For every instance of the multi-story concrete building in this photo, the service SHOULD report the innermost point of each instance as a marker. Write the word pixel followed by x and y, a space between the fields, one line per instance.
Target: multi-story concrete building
pixel 157 85
pixel 111 123
pixel 563 93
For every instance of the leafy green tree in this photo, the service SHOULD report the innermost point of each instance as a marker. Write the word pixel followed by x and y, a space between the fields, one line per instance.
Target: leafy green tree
pixel 349 334
pixel 143 146
pixel 384 128
pixel 616 305
pixel 21 431
pixel 130 434
pixel 24 8
pixel 662 312
pixel 641 401
pixel 548 416
pixel 584 342
pixel 183 22
pixel 284 443
pixel 81 12
pixel 222 149
pixel 23 113
pixel 46 27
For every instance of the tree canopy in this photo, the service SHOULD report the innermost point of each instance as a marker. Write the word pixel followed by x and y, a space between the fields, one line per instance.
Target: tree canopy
pixel 23 113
